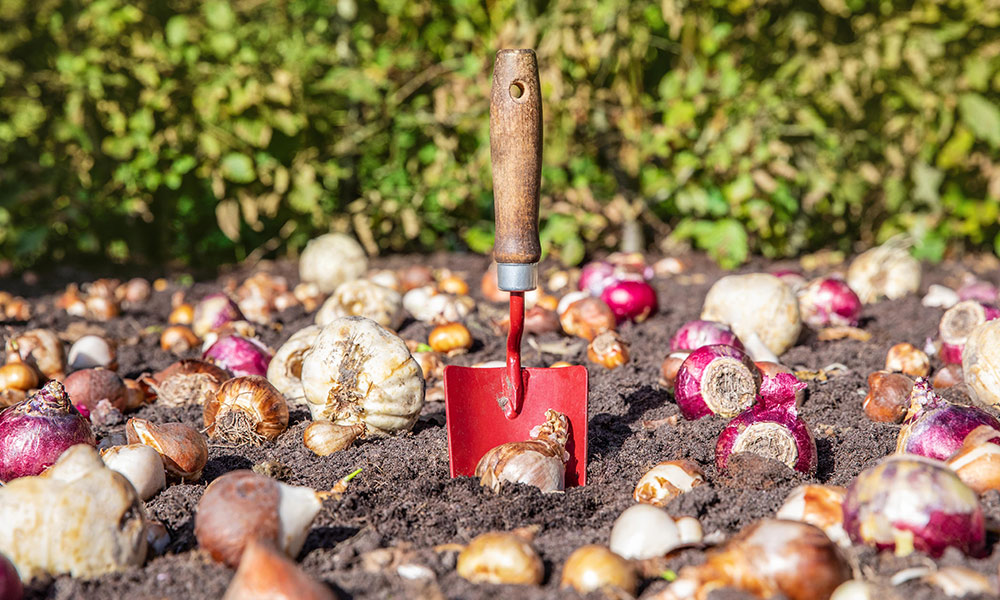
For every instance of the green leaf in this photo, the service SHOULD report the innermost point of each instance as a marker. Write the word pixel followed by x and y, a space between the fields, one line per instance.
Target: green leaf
pixel 238 168
pixel 479 238
pixel 176 30
pixel 981 116
pixel 219 15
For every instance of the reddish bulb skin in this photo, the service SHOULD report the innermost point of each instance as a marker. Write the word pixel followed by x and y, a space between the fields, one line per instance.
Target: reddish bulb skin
pixel 214 311
pixel 687 385
pixel 631 300
pixel 935 428
pixel 35 432
pixel 695 334
pixel 240 355
pixel 877 496
pixel 596 276
pixel 10 583
pixel 829 302
pixel 951 352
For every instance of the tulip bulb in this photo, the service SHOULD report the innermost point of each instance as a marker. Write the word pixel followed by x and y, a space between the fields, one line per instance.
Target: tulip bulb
pixel 643 531
pixel 540 461
pixel 908 359
pixel 92 351
pixel 977 461
pixel 666 481
pixel 450 338
pixel 242 506
pixel 187 381
pixel 819 505
pixel 324 438
pixel 266 574
pixel 500 557
pixel 42 349
pixel 767 558
pixel 595 568
pixel 246 410
pixel 586 318
pixel 182 449
pixel 608 349
pixel 140 464
pixel 888 396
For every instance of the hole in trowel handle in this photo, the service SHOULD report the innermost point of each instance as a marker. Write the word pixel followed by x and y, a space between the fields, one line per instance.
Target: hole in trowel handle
pixel 517 91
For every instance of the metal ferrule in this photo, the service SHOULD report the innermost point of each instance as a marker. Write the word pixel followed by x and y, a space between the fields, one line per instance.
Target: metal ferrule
pixel 516 277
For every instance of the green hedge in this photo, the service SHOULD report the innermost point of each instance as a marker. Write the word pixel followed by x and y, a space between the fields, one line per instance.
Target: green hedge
pixel 159 130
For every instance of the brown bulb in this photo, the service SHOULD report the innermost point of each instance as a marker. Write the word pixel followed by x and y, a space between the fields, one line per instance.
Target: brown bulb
pixel 500 557
pixel 488 285
pixel 246 410
pixel 17 374
pixel 950 375
pixel 183 450
pixel 888 397
pixel 266 574
pixel 88 387
pixel 587 317
pixel 541 320
pixel 666 481
pixel 187 381
pixel 325 437
pixel 453 284
pixel 669 368
pixel 182 314
pixel 595 568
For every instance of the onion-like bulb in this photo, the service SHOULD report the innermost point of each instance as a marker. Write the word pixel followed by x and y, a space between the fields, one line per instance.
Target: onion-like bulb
pixel 717 379
pixel 936 428
pixel 958 322
pixel 140 464
pixel 540 461
pixel 767 558
pixel 633 300
pixel 756 304
pixel 594 568
pixel 827 302
pixel 771 429
pixel 240 355
pixel 246 410
pixel 42 349
pixel 887 271
pixel 500 557
pixel 888 396
pixel 35 432
pixel 214 312
pixel 187 381
pixel 695 334
pixel 981 363
pixel 181 447
pixel 266 574
pixel 362 298
pixel 908 503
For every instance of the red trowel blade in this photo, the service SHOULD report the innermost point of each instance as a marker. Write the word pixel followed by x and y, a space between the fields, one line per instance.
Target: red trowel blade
pixel 476 422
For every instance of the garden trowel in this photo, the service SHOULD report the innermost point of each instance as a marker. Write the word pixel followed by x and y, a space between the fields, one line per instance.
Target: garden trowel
pixel 486 407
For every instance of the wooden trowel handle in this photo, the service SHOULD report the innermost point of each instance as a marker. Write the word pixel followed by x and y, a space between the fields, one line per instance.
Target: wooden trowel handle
pixel 516 151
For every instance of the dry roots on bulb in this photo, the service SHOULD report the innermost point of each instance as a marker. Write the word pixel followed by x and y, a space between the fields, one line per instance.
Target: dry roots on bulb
pixel 183 450
pixel 285 369
pixel 324 438
pixel 360 373
pixel 500 557
pixel 241 506
pixel 362 298
pixel 187 381
pixel 540 461
pixel 594 568
pixel 246 410
pixel 666 481
pixel 79 518
pixel 265 574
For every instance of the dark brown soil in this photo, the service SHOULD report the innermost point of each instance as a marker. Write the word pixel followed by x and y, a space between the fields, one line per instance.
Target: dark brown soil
pixel 403 497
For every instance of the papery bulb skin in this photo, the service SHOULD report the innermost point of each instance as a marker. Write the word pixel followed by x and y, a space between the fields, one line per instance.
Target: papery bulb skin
pixel 213 313
pixel 35 432
pixel 716 379
pixel 695 334
pixel 908 503
pixel 539 461
pixel 958 322
pixel 936 428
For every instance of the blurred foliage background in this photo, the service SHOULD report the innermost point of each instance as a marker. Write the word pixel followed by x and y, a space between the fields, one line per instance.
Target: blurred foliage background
pixel 199 132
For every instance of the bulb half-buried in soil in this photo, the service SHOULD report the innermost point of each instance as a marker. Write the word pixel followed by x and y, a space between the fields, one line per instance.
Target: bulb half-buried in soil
pixel 728 387
pixel 770 440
